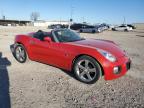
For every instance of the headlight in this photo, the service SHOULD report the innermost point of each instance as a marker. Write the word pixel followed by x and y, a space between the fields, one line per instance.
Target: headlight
pixel 107 55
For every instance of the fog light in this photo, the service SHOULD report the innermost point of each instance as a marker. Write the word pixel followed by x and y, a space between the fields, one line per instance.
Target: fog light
pixel 116 70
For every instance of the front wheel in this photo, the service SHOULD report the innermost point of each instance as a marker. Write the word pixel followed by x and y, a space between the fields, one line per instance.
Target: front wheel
pixel 87 69
pixel 20 53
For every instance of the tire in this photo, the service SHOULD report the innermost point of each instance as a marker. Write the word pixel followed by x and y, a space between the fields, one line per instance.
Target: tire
pixel 93 31
pixel 113 29
pixel 20 53
pixel 87 69
pixel 81 31
pixel 126 30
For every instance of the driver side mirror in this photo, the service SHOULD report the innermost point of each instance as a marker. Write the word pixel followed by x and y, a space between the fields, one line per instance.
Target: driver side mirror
pixel 48 39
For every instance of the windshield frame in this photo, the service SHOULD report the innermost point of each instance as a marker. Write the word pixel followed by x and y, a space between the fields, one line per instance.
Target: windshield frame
pixel 58 40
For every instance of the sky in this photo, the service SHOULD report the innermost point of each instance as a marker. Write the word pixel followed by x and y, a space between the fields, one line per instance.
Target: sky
pixel 91 11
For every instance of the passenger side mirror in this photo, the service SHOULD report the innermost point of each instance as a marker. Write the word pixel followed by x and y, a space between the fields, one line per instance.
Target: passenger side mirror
pixel 48 39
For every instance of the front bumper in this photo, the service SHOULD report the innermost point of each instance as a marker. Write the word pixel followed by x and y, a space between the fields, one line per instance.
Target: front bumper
pixel 124 64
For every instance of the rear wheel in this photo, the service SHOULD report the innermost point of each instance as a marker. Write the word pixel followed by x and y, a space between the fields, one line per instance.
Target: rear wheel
pixel 87 69
pixel 93 31
pixel 20 53
pixel 126 30
pixel 81 31
pixel 113 29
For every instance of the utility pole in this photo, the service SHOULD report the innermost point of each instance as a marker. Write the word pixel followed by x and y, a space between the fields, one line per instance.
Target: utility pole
pixel 124 20
pixel 72 12
pixel 83 19
pixel 60 20
pixel 71 15
pixel 2 14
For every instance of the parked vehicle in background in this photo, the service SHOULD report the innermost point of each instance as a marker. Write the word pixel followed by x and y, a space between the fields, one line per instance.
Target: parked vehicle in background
pixel 90 29
pixel 53 26
pixel 130 25
pixel 122 28
pixel 56 26
pixel 102 27
pixel 77 26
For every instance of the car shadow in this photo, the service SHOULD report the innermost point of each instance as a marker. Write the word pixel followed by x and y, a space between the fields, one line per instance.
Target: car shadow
pixel 138 31
pixel 4 83
pixel 140 35
pixel 70 73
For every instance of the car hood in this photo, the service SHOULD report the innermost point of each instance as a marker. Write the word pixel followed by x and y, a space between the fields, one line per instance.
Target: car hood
pixel 107 45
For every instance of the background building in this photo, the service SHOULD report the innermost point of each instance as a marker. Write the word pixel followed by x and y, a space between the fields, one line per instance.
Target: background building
pixel 47 23
pixel 4 22
pixel 39 23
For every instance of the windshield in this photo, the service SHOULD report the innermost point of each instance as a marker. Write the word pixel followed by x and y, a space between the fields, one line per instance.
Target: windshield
pixel 67 35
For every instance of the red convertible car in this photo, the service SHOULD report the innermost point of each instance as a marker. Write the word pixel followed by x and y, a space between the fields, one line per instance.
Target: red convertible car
pixel 88 59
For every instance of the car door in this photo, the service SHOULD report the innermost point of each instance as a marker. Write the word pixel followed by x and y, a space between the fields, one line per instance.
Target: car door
pixel 57 55
pixel 86 29
pixel 35 48
pixel 121 28
pixel 52 53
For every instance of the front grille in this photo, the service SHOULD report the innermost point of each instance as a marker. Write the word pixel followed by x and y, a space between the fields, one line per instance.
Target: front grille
pixel 128 65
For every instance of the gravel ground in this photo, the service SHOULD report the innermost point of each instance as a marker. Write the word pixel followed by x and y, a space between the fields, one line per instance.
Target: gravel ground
pixel 36 85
